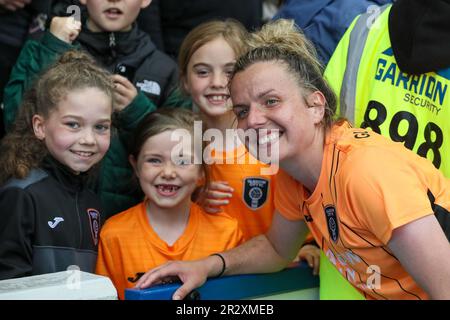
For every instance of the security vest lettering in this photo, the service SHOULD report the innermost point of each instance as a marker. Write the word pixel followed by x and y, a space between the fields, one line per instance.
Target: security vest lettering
pixel 374 93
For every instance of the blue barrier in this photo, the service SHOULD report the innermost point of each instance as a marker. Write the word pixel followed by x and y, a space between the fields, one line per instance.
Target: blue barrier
pixel 295 278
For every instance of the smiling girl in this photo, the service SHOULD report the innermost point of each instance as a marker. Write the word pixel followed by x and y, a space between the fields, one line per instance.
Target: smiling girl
pixel 206 61
pixel 167 225
pixel 50 219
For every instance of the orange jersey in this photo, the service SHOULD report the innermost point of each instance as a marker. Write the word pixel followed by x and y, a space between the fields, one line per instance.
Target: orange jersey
pixel 129 246
pixel 368 186
pixel 252 201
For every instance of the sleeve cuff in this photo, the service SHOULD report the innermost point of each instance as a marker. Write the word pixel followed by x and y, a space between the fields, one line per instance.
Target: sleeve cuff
pixel 55 44
pixel 129 117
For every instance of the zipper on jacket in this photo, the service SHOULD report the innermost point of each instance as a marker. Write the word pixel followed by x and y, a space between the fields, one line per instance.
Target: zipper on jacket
pixel 112 40
pixel 112 45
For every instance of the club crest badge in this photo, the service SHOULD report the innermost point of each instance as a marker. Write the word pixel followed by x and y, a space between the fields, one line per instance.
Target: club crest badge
pixel 255 192
pixel 332 222
pixel 94 222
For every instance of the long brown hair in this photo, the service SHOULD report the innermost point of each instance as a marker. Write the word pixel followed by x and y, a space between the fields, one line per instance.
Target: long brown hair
pixel 20 149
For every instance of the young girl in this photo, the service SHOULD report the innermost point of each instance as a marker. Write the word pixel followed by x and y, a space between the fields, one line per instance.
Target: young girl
pixel 49 218
pixel 206 60
pixel 166 225
pixel 113 39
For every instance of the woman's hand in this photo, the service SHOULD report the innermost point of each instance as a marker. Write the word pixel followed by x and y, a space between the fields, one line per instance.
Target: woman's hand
pixel 192 274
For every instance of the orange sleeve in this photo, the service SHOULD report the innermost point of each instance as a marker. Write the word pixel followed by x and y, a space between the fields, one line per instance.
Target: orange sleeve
pixel 287 196
pixel 385 194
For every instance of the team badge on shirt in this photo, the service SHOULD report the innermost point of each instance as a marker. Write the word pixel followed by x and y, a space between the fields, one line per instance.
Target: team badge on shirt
pixel 332 222
pixel 255 192
pixel 94 222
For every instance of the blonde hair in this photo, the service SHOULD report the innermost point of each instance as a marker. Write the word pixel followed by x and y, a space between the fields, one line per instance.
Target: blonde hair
pixel 232 31
pixel 282 41
pixel 20 149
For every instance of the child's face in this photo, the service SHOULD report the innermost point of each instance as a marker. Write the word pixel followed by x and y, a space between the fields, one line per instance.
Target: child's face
pixel 77 131
pixel 113 16
pixel 207 76
pixel 167 182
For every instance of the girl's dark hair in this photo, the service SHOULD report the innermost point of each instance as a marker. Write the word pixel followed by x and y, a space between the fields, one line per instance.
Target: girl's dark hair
pixel 169 119
pixel 282 41
pixel 20 149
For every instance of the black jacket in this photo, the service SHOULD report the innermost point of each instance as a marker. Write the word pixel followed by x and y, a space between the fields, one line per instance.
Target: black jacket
pixel 48 222
pixel 133 55
pixel 175 18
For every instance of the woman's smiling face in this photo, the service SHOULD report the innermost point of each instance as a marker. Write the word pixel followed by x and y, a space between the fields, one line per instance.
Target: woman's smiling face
pixel 267 96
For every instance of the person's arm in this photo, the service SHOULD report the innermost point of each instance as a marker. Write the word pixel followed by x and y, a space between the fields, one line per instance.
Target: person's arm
pixel 35 57
pixel 130 107
pixel 16 233
pixel 424 252
pixel 262 254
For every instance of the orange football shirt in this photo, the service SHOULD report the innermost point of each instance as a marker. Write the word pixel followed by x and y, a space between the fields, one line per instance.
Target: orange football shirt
pixel 252 201
pixel 129 246
pixel 368 187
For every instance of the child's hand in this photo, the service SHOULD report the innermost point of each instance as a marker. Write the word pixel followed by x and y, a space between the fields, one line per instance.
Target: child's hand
pixel 66 29
pixel 13 5
pixel 125 92
pixel 311 254
pixel 217 195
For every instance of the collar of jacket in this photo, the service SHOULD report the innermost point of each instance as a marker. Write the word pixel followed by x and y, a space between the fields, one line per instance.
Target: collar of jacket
pixel 420 37
pixel 130 47
pixel 70 181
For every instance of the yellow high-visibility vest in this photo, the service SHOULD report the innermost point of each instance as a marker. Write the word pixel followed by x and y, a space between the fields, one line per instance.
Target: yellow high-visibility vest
pixel 374 93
